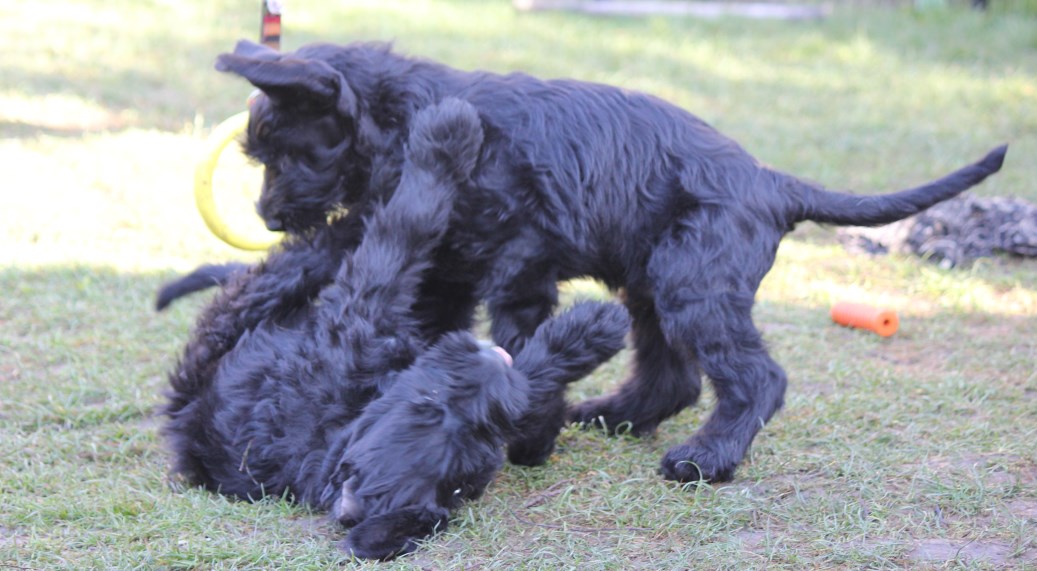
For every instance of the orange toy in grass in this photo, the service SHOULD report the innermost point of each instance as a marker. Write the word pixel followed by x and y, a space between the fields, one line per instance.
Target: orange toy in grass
pixel 863 316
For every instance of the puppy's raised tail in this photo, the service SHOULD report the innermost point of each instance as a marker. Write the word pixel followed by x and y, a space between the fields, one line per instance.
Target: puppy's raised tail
pixel 844 209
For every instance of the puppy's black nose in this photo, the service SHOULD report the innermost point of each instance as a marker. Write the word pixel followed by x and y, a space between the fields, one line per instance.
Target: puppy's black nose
pixel 274 224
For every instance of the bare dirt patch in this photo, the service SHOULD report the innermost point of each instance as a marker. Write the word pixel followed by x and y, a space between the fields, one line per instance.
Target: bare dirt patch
pixel 752 539
pixel 963 551
pixel 780 488
pixel 997 470
pixel 11 537
pixel 928 357
pixel 1024 509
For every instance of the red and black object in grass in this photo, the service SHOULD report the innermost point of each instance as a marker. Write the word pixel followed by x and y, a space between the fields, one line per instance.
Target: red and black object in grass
pixel 270 30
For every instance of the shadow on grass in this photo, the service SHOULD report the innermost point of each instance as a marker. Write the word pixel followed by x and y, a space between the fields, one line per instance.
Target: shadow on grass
pixel 83 346
pixel 92 333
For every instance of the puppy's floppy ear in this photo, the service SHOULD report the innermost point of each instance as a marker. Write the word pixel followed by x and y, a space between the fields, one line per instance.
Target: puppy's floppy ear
pixel 250 49
pixel 289 80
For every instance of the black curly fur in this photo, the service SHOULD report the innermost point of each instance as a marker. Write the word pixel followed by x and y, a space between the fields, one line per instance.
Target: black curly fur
pixel 573 179
pixel 325 390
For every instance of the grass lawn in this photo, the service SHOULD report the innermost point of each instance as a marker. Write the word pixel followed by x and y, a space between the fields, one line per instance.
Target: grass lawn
pixel 915 451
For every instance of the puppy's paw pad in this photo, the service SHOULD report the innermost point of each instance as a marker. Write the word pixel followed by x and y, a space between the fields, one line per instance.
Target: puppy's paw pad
pixel 447 135
pixel 692 463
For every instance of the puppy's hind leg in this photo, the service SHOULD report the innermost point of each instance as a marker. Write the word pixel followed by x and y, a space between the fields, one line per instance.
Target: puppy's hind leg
pixel 706 281
pixel 664 381
pixel 563 350
pixel 369 304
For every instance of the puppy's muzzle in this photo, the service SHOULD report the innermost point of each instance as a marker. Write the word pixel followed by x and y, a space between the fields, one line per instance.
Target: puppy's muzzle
pixel 347 510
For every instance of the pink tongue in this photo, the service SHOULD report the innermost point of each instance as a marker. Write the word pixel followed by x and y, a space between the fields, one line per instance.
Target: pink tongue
pixel 504 355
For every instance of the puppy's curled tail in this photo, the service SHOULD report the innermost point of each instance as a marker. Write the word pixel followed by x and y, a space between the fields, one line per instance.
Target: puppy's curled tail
pixel 829 207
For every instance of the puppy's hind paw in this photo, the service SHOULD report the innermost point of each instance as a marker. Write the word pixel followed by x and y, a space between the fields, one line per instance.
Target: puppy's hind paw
pixel 446 136
pixel 612 415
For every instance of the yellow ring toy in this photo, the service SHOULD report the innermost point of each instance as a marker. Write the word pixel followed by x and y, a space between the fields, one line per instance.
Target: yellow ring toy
pixel 217 142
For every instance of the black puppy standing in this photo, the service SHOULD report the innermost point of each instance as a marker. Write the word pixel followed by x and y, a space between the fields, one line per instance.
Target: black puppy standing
pixel 574 179
pixel 339 401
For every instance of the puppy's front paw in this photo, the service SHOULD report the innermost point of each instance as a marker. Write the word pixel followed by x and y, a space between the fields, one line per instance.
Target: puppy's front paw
pixel 532 451
pixel 446 136
pixel 695 463
pixel 390 535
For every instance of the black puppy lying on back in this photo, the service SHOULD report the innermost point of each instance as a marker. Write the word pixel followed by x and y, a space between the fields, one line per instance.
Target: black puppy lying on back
pixel 574 179
pixel 339 401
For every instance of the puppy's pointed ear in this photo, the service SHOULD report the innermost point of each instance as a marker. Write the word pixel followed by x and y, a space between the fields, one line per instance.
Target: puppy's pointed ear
pixel 290 81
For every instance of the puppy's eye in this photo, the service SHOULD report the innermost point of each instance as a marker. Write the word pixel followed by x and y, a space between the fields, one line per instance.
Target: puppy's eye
pixel 258 126
pixel 262 131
